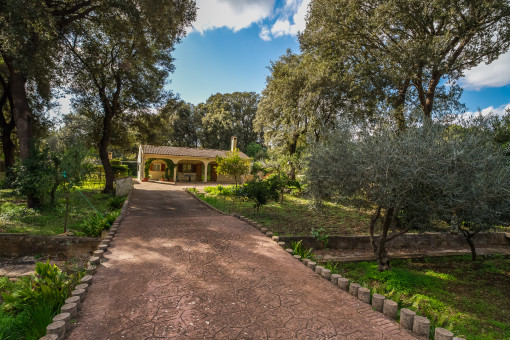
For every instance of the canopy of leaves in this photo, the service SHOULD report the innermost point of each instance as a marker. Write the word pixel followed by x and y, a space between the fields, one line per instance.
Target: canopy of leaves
pixel 233 164
pixel 455 174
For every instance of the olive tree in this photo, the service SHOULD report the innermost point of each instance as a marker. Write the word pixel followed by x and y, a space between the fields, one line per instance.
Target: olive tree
pixel 420 179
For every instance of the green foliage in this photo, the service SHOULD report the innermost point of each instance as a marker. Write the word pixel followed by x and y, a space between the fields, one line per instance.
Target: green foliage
pixel 32 302
pixel 298 249
pixel 256 151
pixel 94 225
pixel 120 170
pixel 320 235
pixel 333 266
pixel 115 203
pixel 258 192
pixel 233 164
pixel 193 190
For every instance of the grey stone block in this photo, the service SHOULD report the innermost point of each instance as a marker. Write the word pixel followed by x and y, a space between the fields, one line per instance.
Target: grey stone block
pixel 83 286
pixel 281 244
pixel 378 302
pixel 236 215
pixel 263 230
pixel 311 265
pixel 276 238
pixel 364 294
pixel 74 299
pixel 297 257
pixel 407 318
pixel 343 283
pixel 318 269
pixel 305 261
pixel 421 326
pixel 442 334
pixel 390 309
pixel 269 234
pixel 49 337
pixel 105 243
pixel 66 317
pixel 80 293
pixel 353 289
pixel 94 260
pixel 98 253
pixel 102 247
pixel 456 338
pixel 326 273
pixel 335 277
pixel 58 328
pixel 86 279
pixel 91 269
pixel 290 251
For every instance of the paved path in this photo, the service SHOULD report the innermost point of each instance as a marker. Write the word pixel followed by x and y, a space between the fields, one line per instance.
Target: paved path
pixel 178 270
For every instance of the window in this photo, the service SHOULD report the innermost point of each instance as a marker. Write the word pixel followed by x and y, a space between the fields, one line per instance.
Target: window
pixel 156 167
pixel 186 167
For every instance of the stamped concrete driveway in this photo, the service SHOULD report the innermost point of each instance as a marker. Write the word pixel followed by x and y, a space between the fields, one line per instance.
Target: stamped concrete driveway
pixel 178 270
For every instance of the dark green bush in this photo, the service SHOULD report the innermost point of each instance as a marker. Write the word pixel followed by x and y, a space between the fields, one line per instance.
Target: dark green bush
pixel 33 302
pixel 258 192
pixel 95 224
pixel 116 203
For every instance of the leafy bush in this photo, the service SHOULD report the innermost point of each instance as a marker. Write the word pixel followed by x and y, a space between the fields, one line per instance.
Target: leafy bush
pixel 320 235
pixel 95 224
pixel 298 249
pixel 34 301
pixel 258 192
pixel 115 203
pixel 120 170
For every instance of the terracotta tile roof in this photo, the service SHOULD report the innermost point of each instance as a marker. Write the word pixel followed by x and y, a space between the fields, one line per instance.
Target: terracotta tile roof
pixel 187 152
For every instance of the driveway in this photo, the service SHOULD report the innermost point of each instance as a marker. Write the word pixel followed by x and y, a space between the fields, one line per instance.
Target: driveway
pixel 176 270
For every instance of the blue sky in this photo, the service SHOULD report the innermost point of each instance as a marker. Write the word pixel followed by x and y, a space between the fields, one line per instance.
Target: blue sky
pixel 233 42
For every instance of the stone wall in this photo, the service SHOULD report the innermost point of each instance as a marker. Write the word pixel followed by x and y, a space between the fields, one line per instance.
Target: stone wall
pixel 435 240
pixel 63 246
pixel 123 186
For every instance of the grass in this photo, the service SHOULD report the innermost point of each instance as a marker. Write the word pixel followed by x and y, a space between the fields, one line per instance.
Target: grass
pixel 472 299
pixel 15 217
pixel 295 216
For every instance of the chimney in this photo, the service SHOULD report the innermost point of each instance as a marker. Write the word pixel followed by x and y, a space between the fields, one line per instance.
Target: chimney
pixel 233 143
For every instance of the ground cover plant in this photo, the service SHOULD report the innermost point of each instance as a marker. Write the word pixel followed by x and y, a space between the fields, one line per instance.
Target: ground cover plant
pixel 15 217
pixel 29 304
pixel 469 298
pixel 295 215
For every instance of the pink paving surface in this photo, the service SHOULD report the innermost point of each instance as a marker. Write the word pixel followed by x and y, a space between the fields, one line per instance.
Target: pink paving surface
pixel 176 270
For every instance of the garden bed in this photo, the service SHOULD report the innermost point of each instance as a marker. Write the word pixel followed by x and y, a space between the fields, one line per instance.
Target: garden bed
pixel 15 217
pixel 469 298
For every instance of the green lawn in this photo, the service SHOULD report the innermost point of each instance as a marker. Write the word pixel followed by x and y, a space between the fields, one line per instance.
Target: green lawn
pixel 296 217
pixel 472 299
pixel 16 218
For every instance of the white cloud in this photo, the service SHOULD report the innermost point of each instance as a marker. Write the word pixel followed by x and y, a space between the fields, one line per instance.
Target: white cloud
pixel 491 110
pixel 233 14
pixel 496 74
pixel 292 20
pixel 265 34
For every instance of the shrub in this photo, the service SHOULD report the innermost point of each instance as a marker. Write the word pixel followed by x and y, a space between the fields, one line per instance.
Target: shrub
pixel 95 224
pixel 116 203
pixel 298 249
pixel 30 307
pixel 258 192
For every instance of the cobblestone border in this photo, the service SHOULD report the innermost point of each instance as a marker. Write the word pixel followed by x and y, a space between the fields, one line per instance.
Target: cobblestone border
pixel 373 304
pixel 62 322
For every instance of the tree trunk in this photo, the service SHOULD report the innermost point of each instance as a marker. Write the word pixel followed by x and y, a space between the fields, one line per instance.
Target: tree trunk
pixel 103 152
pixel 400 105
pixel 8 146
pixel 23 116
pixel 469 240
pixel 379 247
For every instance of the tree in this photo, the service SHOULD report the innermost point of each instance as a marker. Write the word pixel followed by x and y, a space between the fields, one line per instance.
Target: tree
pixel 120 60
pixel 233 164
pixel 227 115
pixel 30 50
pixel 416 179
pixel 406 50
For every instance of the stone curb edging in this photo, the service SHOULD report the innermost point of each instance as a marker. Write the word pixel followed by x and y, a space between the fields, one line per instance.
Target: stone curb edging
pixel 409 321
pixel 62 322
